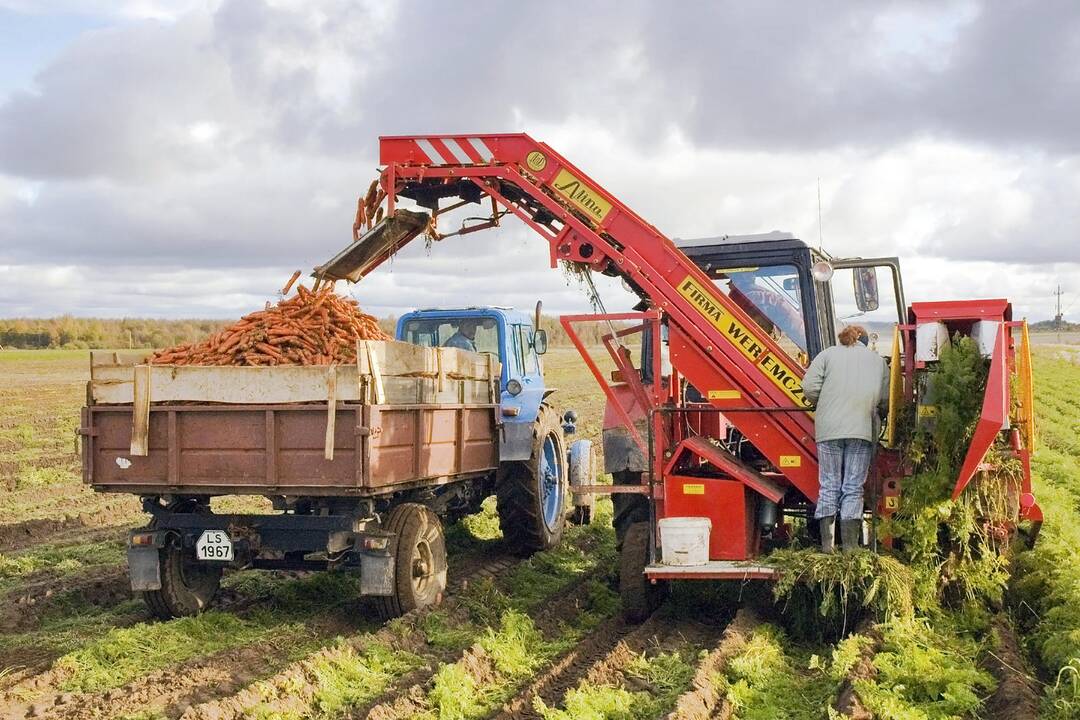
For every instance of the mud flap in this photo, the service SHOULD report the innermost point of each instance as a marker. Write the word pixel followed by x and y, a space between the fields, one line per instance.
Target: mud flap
pixel 376 574
pixel 144 567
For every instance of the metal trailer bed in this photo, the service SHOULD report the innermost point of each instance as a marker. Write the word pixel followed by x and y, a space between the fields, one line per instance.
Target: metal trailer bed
pixel 361 465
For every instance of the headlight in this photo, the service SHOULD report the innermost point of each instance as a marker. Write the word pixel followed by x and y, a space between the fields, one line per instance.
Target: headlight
pixel 822 271
pixel 513 387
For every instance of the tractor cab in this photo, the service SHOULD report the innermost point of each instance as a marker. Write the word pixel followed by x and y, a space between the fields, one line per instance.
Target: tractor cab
pixel 513 339
pixel 801 296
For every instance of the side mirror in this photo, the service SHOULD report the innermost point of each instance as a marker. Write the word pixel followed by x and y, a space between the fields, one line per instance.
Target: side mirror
pixel 540 341
pixel 866 288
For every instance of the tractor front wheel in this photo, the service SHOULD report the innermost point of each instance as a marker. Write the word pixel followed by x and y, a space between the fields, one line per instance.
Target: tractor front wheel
pixel 532 495
pixel 640 596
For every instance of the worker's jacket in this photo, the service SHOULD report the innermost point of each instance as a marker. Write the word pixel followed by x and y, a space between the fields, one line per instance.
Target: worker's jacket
pixel 848 383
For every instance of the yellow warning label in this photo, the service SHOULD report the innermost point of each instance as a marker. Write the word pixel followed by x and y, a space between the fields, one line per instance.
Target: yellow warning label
pixel 724 394
pixel 693 489
pixel 790 461
pixel 749 344
pixel 581 195
pixel 892 502
pixel 927 410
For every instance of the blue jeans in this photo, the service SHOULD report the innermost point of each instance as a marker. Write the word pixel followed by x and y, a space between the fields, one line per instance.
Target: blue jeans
pixel 842 468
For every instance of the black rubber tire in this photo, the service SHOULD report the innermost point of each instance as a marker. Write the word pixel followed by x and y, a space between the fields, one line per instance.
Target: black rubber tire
pixel 187 585
pixel 519 503
pixel 629 508
pixel 419 560
pixel 640 597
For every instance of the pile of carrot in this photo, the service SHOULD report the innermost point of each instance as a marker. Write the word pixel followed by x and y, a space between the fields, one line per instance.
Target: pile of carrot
pixel 313 327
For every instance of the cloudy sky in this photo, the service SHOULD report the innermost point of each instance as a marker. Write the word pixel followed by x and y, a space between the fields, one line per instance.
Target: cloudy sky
pixel 180 159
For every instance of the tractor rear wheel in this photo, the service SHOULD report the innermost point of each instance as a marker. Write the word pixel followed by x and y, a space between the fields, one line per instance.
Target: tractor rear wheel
pixel 188 586
pixel 640 596
pixel 532 495
pixel 419 560
pixel 629 508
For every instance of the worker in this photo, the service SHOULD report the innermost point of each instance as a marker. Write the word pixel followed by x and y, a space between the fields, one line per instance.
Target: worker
pixel 850 384
pixel 465 337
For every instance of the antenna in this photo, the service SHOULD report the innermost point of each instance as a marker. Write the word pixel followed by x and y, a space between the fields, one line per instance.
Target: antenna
pixel 1057 315
pixel 819 214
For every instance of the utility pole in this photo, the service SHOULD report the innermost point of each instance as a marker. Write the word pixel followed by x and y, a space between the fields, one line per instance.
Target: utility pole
pixel 1057 315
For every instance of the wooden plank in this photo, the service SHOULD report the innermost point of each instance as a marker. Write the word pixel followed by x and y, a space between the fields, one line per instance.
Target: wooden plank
pixel 374 370
pixel 331 413
pixel 281 384
pixel 140 426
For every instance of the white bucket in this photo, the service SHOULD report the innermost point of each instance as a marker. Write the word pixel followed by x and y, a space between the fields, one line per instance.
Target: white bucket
pixel 685 540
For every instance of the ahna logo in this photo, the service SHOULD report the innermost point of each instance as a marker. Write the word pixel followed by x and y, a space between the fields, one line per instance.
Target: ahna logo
pixel 536 161
pixel 581 195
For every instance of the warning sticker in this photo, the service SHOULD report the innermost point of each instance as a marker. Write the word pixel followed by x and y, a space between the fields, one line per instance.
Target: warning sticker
pixel 776 368
pixel 693 489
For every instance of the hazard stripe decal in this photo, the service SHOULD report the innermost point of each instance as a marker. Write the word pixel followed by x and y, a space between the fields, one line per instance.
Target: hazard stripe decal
pixel 432 154
pixel 485 153
pixel 457 151
pixel 450 151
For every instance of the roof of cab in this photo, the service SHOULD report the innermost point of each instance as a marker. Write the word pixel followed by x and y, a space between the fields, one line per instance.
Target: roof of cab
pixel 513 316
pixel 735 239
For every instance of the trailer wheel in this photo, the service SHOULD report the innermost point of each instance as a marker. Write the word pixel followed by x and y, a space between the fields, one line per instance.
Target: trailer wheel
pixel 532 496
pixel 187 585
pixel 419 560
pixel 640 597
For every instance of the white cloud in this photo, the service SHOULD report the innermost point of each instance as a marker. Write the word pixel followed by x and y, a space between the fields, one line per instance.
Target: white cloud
pixel 185 160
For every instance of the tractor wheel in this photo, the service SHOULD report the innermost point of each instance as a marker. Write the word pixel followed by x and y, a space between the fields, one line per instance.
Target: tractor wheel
pixel 581 472
pixel 640 597
pixel 188 586
pixel 419 560
pixel 629 508
pixel 532 496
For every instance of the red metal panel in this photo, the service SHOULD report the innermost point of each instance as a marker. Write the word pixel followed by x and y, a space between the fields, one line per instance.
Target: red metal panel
pixel 995 414
pixel 729 504
pixel 724 462
pixel 993 309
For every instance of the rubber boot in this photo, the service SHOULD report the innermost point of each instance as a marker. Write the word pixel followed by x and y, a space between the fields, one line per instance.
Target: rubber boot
pixel 851 534
pixel 827 525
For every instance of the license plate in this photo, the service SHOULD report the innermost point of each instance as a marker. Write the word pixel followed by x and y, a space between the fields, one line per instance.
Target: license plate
pixel 214 545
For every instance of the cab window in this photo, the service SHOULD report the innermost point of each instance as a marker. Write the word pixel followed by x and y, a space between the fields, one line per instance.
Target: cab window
pixel 869 300
pixel 527 354
pixel 770 295
pixel 434 332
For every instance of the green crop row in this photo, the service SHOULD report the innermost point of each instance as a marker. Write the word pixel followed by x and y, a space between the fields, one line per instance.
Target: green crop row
pixel 1047 588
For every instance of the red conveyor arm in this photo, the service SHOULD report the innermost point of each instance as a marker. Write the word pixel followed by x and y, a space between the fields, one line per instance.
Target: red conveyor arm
pixel 714 344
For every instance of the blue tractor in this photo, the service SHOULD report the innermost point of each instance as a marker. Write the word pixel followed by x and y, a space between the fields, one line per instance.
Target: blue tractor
pixel 536 468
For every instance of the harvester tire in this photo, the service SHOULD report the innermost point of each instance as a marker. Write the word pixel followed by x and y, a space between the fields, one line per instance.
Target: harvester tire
pixel 532 495
pixel 640 597
pixel 188 586
pixel 629 508
pixel 419 549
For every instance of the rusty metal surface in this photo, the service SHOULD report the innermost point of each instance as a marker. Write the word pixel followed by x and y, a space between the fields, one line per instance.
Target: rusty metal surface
pixel 279 449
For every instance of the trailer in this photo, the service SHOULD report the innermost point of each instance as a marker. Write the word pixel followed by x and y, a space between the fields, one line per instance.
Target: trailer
pixel 363 465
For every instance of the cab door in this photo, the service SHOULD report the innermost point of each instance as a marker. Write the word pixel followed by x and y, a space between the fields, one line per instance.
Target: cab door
pixel 867 292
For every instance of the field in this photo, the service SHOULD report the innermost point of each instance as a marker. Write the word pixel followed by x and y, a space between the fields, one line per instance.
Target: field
pixel 539 638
